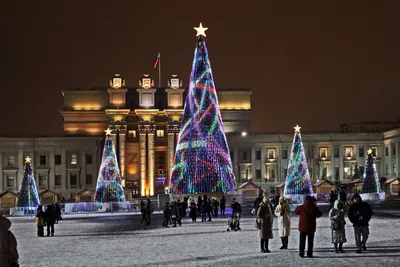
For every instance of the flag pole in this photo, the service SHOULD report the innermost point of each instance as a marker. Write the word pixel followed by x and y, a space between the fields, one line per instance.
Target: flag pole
pixel 159 71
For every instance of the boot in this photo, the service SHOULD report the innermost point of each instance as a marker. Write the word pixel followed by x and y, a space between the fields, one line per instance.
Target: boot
pixel 336 248
pixel 262 245
pixel 266 245
pixel 283 243
pixel 341 248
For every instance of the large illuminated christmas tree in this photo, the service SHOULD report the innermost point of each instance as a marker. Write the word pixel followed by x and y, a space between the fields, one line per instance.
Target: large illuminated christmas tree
pixel 109 187
pixel 371 182
pixel 298 178
pixel 202 161
pixel 28 195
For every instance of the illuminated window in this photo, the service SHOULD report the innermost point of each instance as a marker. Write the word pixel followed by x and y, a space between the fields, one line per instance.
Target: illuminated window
pixel 271 153
pixel 349 152
pixel 74 159
pixel 160 133
pixel 132 133
pixel 323 152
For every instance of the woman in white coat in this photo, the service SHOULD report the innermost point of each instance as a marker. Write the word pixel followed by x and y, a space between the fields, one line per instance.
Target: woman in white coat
pixel 283 212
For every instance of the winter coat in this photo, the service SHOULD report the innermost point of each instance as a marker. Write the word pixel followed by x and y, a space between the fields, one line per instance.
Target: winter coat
pixel 337 223
pixel 236 207
pixel 175 211
pixel 8 244
pixel 50 214
pixel 192 212
pixel 360 213
pixel 308 216
pixel 166 212
pixel 264 214
pixel 222 203
pixel 283 211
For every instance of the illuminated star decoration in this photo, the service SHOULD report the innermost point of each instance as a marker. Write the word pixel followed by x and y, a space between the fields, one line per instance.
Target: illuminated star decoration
pixel 297 128
pixel 27 159
pixel 200 30
pixel 369 151
pixel 108 131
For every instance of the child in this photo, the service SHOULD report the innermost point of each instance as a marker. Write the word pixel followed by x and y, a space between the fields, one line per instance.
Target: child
pixel 336 215
pixel 193 211
pixel 40 221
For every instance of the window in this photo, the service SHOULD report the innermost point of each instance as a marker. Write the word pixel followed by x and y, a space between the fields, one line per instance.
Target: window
pixel 89 179
pixel 393 150
pixel 132 133
pixel 336 152
pixel 361 152
pixel 57 180
pixel 386 151
pixel 10 160
pixel 394 168
pixel 337 174
pixel 10 181
pixel 258 154
pixel 57 159
pixel 323 152
pixel 284 153
pixel 74 159
pixel 258 174
pixel 89 159
pixel 387 169
pixel 160 133
pixel 349 152
pixel 73 179
pixel 42 160
pixel 374 151
pixel 271 153
pixel 42 180
pixel 243 155
pixel 271 173
pixel 284 173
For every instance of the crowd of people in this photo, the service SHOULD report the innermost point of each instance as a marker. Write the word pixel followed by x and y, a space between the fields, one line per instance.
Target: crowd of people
pixel 359 214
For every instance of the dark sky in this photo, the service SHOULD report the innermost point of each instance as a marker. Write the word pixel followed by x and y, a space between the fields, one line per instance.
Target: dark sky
pixel 317 65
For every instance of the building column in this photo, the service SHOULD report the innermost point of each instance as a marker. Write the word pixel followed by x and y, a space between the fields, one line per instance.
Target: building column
pixel 262 160
pixel 82 180
pixel 1 173
pixel 150 152
pixel 236 168
pixel 171 147
pixel 142 148
pixel 389 160
pixel 341 164
pixel 20 172
pixel 253 163
pixel 64 164
pixel 51 177
pixel 397 159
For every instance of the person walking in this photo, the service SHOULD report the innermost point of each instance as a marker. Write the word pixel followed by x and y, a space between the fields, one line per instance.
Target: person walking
pixel 308 212
pixel 283 211
pixel 8 244
pixel 175 214
pixel 166 214
pixel 58 212
pixel 222 205
pixel 336 215
pixel 193 211
pixel 264 215
pixel 360 213
pixel 143 212
pixel 149 211
pixel 215 207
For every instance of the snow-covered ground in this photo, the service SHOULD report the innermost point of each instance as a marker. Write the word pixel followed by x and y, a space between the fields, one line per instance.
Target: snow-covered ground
pixel 120 240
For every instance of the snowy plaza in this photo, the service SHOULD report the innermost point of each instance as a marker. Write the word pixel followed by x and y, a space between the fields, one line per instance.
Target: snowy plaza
pixel 120 240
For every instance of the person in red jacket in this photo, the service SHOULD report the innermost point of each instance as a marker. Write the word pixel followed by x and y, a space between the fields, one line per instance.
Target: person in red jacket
pixel 309 213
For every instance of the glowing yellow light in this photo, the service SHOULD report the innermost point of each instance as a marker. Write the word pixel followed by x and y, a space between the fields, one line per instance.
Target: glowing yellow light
pixel 369 151
pixel 297 128
pixel 200 30
pixel 108 131
pixel 28 159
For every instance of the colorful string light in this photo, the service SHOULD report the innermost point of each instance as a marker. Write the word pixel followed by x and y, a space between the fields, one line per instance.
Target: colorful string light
pixel 371 183
pixel 202 161
pixel 109 187
pixel 298 178
pixel 28 195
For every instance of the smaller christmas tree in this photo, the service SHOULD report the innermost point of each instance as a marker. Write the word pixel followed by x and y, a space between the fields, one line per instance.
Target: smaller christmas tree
pixel 109 187
pixel 28 195
pixel 371 182
pixel 298 178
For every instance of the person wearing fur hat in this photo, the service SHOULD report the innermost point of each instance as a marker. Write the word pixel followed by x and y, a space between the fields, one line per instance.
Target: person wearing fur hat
pixel 264 214
pixel 8 244
pixel 283 211
pixel 336 214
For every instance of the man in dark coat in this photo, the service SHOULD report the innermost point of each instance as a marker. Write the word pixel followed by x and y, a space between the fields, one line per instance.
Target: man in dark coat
pixel 343 196
pixel 175 212
pixel 360 214
pixel 222 205
pixel 309 213
pixel 51 216
pixel 149 211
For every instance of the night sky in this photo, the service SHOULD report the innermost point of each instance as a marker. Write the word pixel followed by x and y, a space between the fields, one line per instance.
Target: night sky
pixel 317 65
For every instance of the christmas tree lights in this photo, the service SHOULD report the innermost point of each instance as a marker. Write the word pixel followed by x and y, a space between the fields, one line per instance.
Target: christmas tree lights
pixel 28 195
pixel 109 187
pixel 298 178
pixel 371 182
pixel 202 161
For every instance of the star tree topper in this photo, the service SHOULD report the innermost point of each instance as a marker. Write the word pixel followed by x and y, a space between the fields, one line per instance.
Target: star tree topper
pixel 27 160
pixel 200 30
pixel 369 151
pixel 108 131
pixel 297 128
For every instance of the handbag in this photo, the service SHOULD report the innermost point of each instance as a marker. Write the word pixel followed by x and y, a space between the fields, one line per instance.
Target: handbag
pixel 258 223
